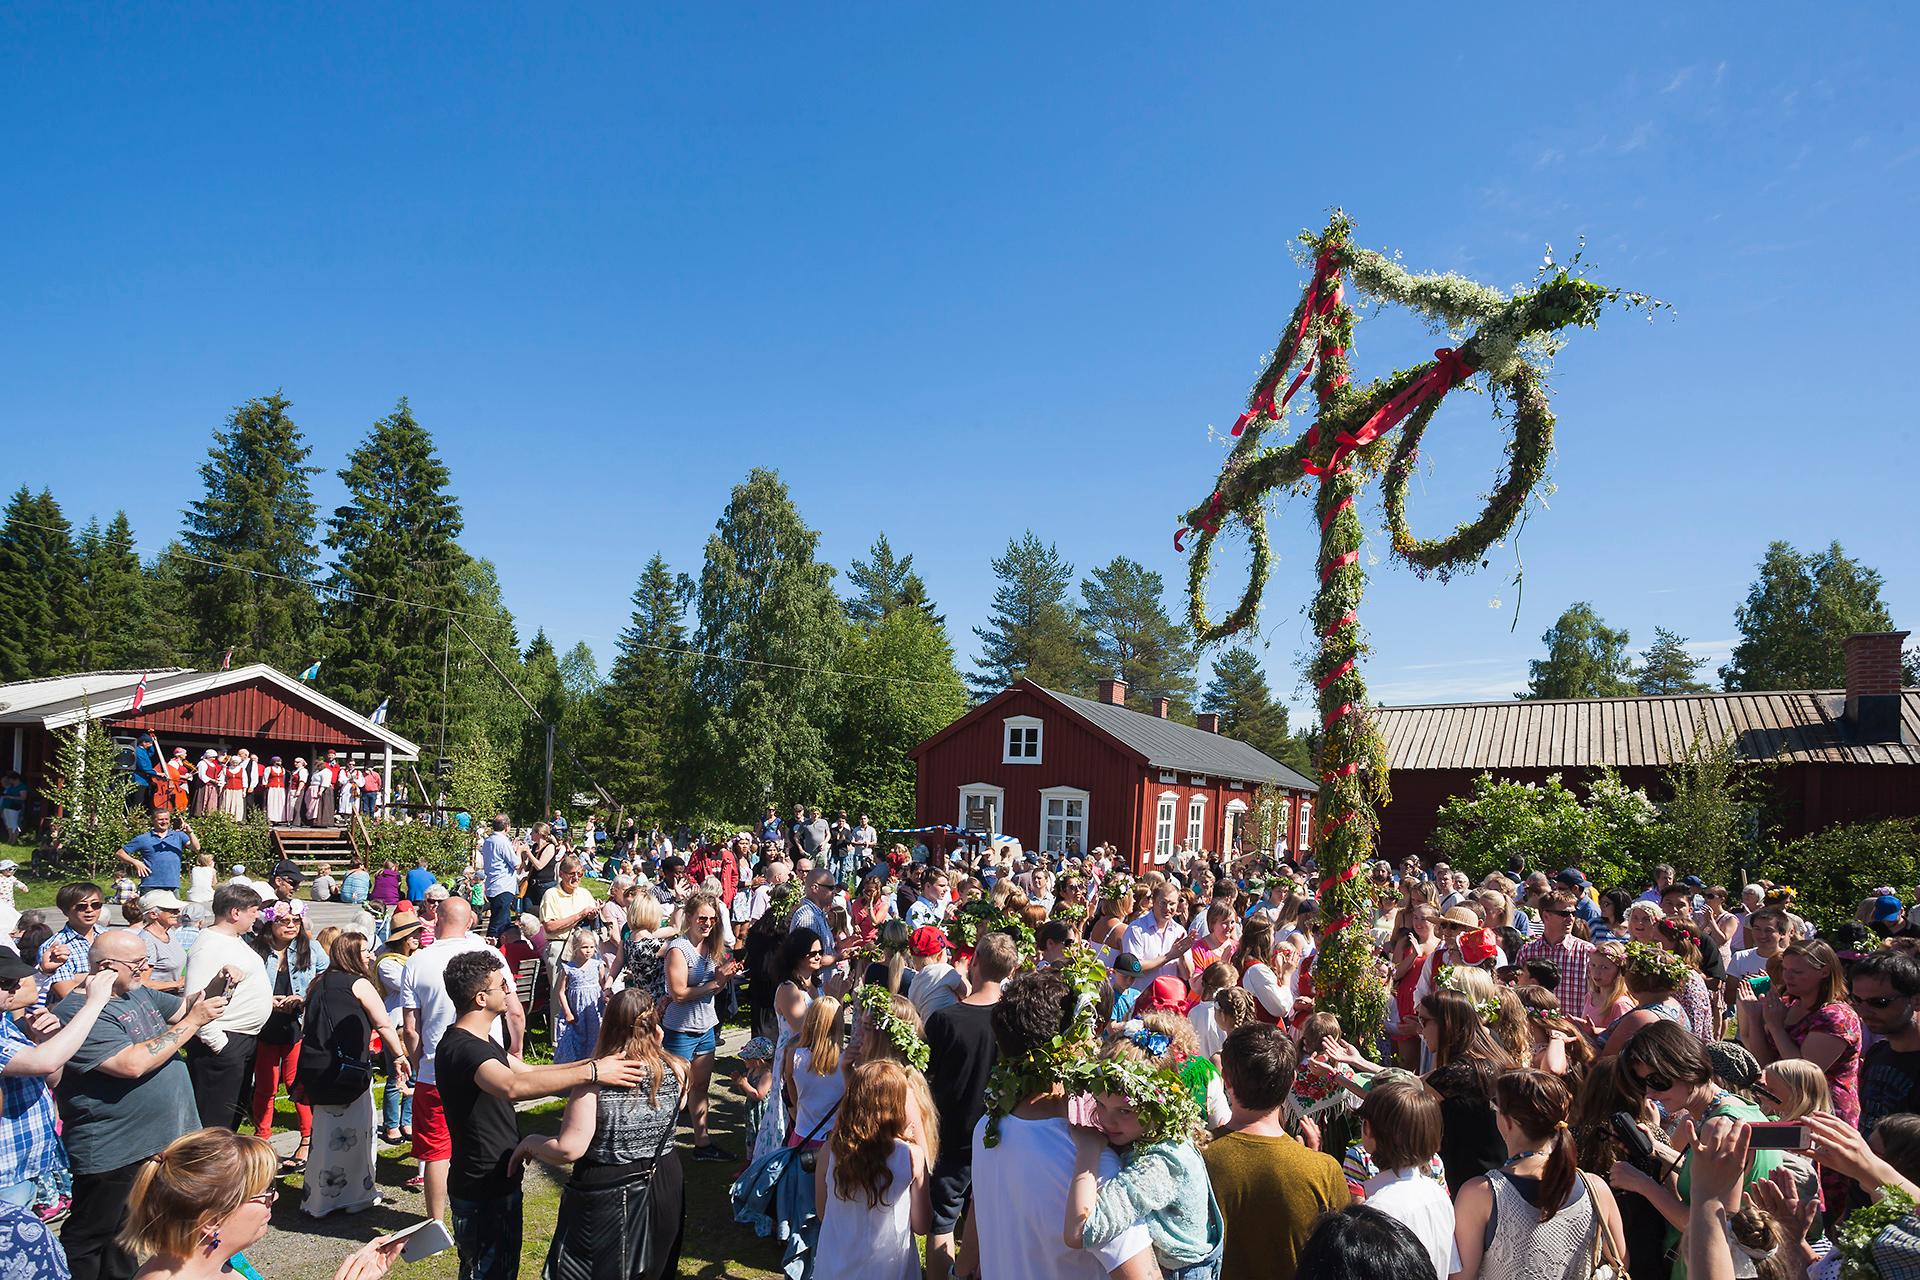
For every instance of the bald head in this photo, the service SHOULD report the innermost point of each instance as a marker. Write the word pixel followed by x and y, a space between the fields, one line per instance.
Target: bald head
pixel 454 919
pixel 117 944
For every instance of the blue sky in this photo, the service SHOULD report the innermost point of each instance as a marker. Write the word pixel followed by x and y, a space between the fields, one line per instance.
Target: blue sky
pixel 956 271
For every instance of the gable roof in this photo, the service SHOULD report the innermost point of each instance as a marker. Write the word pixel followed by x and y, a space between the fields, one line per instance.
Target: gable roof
pixel 1168 744
pixel 1804 726
pixel 56 702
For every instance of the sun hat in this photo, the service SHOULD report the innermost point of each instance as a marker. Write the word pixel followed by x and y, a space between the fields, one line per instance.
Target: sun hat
pixel 161 900
pixel 758 1049
pixel 1461 916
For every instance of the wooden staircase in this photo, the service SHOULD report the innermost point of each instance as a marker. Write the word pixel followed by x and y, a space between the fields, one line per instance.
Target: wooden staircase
pixel 315 848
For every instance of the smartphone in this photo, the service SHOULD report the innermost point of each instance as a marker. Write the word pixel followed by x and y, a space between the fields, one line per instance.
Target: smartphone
pixel 218 987
pixel 423 1239
pixel 1780 1135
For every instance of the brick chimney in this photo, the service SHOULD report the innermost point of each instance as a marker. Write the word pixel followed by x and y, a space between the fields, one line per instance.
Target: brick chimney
pixel 1161 707
pixel 1207 722
pixel 1873 685
pixel 1113 692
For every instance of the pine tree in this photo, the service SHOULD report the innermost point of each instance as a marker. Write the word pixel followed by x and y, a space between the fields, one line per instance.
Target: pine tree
pixel 1585 659
pixel 478 703
pixel 1133 638
pixel 883 584
pixel 1238 694
pixel 40 588
pixel 1796 616
pixel 164 637
pixel 108 627
pixel 912 690
pixel 395 540
pixel 1667 667
pixel 768 624
pixel 540 680
pixel 250 542
pixel 1034 631
pixel 629 742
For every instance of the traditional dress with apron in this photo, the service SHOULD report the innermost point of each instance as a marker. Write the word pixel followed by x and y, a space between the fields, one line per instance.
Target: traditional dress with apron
pixel 276 781
pixel 233 797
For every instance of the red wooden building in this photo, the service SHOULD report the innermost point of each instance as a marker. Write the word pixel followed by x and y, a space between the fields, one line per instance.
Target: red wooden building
pixel 1837 755
pixel 1063 773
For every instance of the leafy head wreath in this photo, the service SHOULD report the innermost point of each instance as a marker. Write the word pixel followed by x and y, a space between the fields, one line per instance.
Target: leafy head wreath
pixel 1487 1007
pixel 875 1004
pixel 1650 961
pixel 1013 1080
pixel 1159 1098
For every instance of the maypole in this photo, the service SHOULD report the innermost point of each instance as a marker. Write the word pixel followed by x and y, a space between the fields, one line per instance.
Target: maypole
pixel 1350 441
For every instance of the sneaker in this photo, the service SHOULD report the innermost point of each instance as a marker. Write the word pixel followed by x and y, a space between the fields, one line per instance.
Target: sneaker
pixel 713 1151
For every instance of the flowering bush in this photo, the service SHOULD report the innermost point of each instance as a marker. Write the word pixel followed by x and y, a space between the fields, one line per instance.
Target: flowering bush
pixel 1614 835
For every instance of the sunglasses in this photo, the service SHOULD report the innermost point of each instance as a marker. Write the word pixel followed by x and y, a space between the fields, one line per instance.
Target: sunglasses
pixel 266 1197
pixel 87 906
pixel 1557 911
pixel 132 966
pixel 1654 1082
pixel 1875 1002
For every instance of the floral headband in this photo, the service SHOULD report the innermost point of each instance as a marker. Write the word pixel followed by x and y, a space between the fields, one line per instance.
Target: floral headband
pixel 875 1003
pixel 1656 962
pixel 1159 1099
pixel 1680 929
pixel 1155 1043
pixel 1015 1079
pixel 1487 1007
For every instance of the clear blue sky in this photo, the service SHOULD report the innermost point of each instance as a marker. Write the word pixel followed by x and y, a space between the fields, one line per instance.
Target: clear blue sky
pixel 959 270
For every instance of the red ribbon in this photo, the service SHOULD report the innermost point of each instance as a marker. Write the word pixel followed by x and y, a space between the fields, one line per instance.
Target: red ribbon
pixel 1346 770
pixel 1350 617
pixel 1450 369
pixel 1336 673
pixel 1345 504
pixel 1341 710
pixel 1178 534
pixel 1339 561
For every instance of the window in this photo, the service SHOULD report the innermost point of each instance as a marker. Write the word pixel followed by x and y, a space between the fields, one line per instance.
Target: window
pixel 1306 825
pixel 1169 777
pixel 1063 820
pixel 1236 822
pixel 1237 785
pixel 1163 825
pixel 1281 812
pixel 1197 780
pixel 1196 822
pixel 983 807
pixel 1022 742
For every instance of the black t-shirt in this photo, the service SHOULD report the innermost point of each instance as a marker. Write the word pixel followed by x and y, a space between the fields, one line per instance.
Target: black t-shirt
pixel 483 1127
pixel 1889 1084
pixel 960 1038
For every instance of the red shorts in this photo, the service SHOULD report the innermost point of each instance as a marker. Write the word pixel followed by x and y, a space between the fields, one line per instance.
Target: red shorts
pixel 431 1141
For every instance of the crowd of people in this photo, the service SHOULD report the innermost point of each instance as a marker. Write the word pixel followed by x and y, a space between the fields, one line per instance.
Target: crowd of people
pixel 1041 1064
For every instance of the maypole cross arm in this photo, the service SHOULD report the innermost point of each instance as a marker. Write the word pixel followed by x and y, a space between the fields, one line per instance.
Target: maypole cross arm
pixel 1352 438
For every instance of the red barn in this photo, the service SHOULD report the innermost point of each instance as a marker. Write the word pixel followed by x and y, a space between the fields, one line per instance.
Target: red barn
pixel 1064 774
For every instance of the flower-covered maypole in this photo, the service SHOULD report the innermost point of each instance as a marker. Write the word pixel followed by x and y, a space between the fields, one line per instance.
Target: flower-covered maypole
pixel 1352 439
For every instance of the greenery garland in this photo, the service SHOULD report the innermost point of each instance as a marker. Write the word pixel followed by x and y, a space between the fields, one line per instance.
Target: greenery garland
pixel 875 1004
pixel 1488 1008
pixel 1857 1232
pixel 1158 1097
pixel 1648 960
pixel 1013 1080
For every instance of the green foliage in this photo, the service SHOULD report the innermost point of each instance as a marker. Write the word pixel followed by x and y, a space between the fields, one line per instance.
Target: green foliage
pixel 108 631
pixel 446 848
pixel 91 794
pixel 163 631
pixel 480 779
pixel 252 531
pixel 40 588
pixel 248 844
pixel 1711 816
pixel 1585 659
pixel 476 699
pixel 1834 870
pixel 769 630
pixel 911 692
pixel 1034 632
pixel 1667 667
pixel 1613 836
pixel 629 734
pixel 1130 635
pixel 395 538
pixel 1796 615
pixel 884 583
pixel 1238 694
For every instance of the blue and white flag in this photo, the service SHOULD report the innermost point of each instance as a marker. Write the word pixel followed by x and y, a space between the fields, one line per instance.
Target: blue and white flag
pixel 311 673
pixel 380 712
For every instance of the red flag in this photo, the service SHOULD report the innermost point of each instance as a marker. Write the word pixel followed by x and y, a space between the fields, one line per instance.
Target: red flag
pixel 227 660
pixel 140 691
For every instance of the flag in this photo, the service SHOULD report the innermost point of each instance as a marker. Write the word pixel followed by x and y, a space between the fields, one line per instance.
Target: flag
pixel 140 692
pixel 226 660
pixel 380 712
pixel 311 673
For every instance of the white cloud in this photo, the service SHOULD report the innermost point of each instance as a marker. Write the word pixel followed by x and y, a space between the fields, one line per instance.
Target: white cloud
pixel 1679 79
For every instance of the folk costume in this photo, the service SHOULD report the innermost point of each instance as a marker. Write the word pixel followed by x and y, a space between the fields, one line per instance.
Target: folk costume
pixel 208 781
pixel 275 781
pixel 233 793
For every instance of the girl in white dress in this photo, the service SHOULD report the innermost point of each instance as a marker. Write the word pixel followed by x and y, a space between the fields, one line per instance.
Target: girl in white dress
pixel 871 1187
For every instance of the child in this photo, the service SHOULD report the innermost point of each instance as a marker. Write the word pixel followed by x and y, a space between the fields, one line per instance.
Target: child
pixel 1400 1130
pixel 1148 1115
pixel 754 1080
pixel 1316 1088
pixel 871 1187
pixel 1359 1166
pixel 1210 1025
pixel 582 996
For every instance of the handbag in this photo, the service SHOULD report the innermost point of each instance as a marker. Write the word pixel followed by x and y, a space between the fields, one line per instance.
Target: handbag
pixel 1607 1264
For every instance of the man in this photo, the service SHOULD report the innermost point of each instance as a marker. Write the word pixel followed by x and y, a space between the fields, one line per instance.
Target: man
pixel 1020 1183
pixel 568 906
pixel 419 880
pixel 1570 955
pixel 778 872
pixel 1572 880
pixel 1767 931
pixel 123 1097
pixel 32 1149
pixel 1884 984
pixel 865 841
pixel 932 904
pixel 166 958
pixel 155 855
pixel 961 1057
pixel 426 1013
pixel 558 825
pixel 812 911
pixel 500 876
pixel 799 821
pixel 721 862
pixel 1662 881
pixel 1157 938
pixel 840 847
pixel 482 1083
pixel 1273 896
pixel 815 837
pixel 221 1051
pixel 64 958
pixel 1270 1188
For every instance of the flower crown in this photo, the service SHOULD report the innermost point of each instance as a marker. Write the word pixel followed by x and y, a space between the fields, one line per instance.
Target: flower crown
pixel 1158 1097
pixel 1068 913
pixel 1015 1079
pixel 1656 962
pixel 1117 885
pixel 1781 895
pixel 1855 1236
pixel 1680 929
pixel 875 1004
pixel 1487 1007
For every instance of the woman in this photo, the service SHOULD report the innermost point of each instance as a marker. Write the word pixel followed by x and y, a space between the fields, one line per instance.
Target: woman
pixel 1643 923
pixel 1211 947
pixel 698 969
pixel 1610 1089
pixel 358 882
pixel 623 1207
pixel 1263 970
pixel 1813 1021
pixel 1110 924
pixel 200 1203
pixel 871 909
pixel 1684 941
pixel 644 957
pixel 344 1011
pixel 1557 1045
pixel 871 1188
pixel 292 963
pixel 1613 917
pixel 1466 1060
pixel 1414 945
pixel 396 1100
pixel 386 885
pixel 796 969
pixel 1653 976
pixel 1606 998
pixel 1547 1217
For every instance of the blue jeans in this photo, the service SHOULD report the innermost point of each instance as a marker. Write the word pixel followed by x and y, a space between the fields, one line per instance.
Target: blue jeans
pixel 396 1112
pixel 487 1234
pixel 500 912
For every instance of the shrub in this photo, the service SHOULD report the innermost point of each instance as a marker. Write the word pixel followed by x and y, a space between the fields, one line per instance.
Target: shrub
pixel 1832 871
pixel 248 843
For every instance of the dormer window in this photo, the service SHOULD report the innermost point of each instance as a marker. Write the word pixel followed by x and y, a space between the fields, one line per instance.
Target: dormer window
pixel 1021 743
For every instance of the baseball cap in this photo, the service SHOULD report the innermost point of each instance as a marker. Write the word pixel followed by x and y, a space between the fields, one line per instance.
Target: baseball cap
pixel 929 941
pixel 1571 875
pixel 1693 882
pixel 1887 909
pixel 1478 946
pixel 12 967
pixel 161 900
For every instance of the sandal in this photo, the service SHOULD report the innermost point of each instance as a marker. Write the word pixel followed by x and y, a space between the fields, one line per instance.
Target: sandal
pixel 297 1162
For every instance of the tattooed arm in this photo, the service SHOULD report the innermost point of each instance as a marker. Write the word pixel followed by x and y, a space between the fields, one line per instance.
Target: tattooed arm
pixel 147 1056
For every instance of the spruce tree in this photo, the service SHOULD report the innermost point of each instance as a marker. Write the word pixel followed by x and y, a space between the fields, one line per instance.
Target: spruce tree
pixel 1132 637
pixel 165 636
pixel 397 568
pixel 1796 616
pixel 768 625
pixel 912 690
pixel 630 742
pixel 1034 631
pixel 478 703
pixel 1585 659
pixel 109 626
pixel 40 588
pixel 1238 694
pixel 250 542
pixel 540 680
pixel 1667 667
pixel 884 583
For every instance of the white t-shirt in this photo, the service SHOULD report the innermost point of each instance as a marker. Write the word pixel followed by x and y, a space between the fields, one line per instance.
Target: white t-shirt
pixel 1421 1205
pixel 1746 963
pixel 1275 998
pixel 248 1003
pixel 423 988
pixel 1207 1029
pixel 1020 1195
pixel 934 988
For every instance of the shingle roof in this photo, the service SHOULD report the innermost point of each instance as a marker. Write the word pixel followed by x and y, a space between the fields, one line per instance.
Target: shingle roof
pixel 1804 726
pixel 1168 744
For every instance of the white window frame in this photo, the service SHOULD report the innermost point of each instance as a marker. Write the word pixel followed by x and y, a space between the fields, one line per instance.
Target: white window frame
pixel 1196 822
pixel 1165 815
pixel 1306 825
pixel 1226 833
pixel 1013 724
pixel 1283 817
pixel 1047 796
pixel 1197 780
pixel 999 796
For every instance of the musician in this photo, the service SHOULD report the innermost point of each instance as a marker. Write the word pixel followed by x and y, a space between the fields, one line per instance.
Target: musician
pixel 179 773
pixel 155 855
